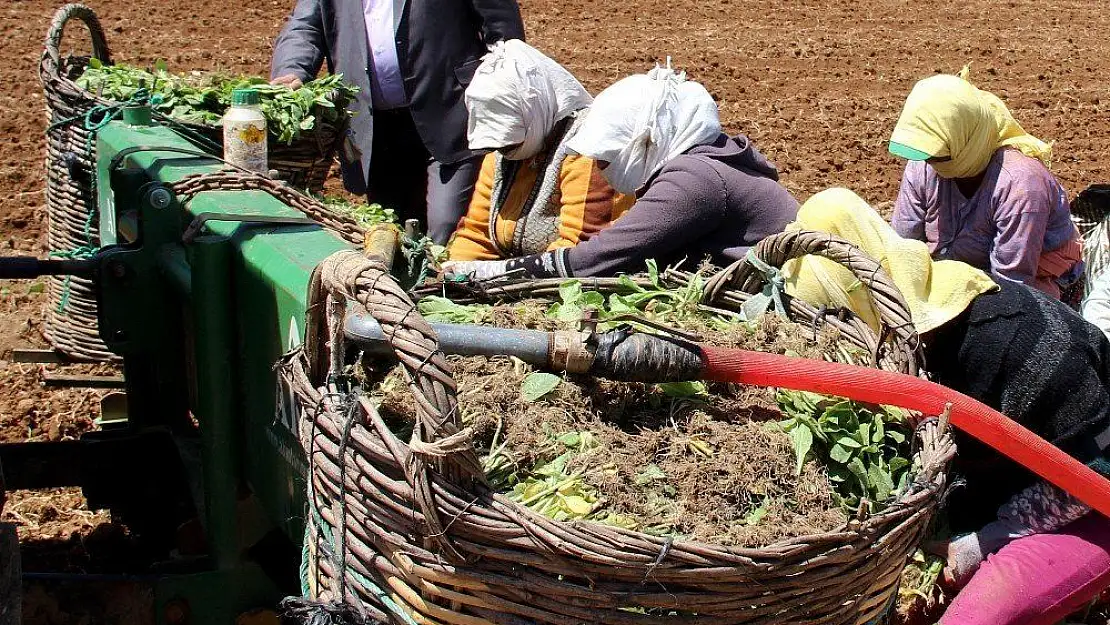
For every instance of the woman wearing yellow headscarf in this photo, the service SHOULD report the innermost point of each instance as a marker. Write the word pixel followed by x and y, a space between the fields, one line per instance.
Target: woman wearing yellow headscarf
pixel 1024 354
pixel 977 188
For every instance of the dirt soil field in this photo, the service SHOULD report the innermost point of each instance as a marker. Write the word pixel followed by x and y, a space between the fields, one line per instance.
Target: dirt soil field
pixel 816 83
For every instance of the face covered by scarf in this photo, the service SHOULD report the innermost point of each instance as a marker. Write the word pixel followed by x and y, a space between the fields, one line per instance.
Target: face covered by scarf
pixel 642 122
pixel 935 291
pixel 516 97
pixel 947 116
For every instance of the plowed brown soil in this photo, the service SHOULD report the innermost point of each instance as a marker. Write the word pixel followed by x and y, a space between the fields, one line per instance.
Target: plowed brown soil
pixel 816 83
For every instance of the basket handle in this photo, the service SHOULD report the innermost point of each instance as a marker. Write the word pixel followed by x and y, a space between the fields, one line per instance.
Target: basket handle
pixel 776 249
pixel 57 31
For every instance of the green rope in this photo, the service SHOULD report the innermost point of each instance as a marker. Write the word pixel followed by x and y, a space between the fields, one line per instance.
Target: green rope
pixel 341 568
pixel 417 252
pixel 92 120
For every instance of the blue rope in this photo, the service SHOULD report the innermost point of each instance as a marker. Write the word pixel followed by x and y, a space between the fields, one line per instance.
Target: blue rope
pixel 773 293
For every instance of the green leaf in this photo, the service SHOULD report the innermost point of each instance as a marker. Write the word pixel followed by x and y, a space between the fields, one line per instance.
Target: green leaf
pixel 651 473
pixel 570 291
pixel 755 516
pixel 537 384
pixel 653 271
pixel 859 471
pixel 578 505
pixel 803 442
pixel 881 482
pixel 568 312
pixel 897 464
pixel 592 299
pixel 682 389
pixel 570 439
pixel 896 436
pixel 841 454
pixel 849 441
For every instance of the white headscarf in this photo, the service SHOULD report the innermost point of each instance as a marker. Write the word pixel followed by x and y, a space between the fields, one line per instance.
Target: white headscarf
pixel 517 95
pixel 642 122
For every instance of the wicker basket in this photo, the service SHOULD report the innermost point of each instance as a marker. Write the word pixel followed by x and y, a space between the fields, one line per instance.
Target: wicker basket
pixel 71 324
pixel 410 533
pixel 71 320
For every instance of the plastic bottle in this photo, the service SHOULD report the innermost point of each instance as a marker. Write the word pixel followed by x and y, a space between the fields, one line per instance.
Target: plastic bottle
pixel 245 132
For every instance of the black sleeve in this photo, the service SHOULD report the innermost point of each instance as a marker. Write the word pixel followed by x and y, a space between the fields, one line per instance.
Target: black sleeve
pixel 300 48
pixel 501 20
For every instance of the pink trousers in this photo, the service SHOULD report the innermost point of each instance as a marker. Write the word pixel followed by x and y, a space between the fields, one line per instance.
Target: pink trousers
pixel 1038 580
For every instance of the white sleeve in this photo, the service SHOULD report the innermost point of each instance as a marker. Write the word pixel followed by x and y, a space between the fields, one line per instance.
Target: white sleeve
pixel 1096 308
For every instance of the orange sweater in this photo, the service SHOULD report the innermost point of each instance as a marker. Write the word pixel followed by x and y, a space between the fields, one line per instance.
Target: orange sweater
pixel 588 204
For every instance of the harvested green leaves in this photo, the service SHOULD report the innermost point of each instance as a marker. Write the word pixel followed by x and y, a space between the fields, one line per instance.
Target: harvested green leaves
pixel 204 98
pixel 863 447
pixel 364 214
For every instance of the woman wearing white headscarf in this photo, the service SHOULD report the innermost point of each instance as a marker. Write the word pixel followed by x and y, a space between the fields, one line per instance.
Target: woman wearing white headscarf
pixel 532 194
pixel 700 193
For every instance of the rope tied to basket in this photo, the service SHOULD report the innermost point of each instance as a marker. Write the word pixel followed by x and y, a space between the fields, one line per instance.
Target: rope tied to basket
pixel 438 442
pixel 772 294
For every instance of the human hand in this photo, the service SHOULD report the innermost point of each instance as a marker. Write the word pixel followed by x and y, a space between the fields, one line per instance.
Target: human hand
pixel 288 80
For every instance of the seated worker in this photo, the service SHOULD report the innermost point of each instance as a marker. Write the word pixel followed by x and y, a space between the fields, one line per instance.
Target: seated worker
pixel 1022 353
pixel 699 191
pixel 532 194
pixel 977 189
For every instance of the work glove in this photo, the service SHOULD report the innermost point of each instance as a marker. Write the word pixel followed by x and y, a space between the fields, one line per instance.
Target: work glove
pixel 474 269
pixel 965 553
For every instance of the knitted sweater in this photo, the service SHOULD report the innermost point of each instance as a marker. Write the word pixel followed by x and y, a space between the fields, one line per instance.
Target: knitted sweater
pixel 1041 364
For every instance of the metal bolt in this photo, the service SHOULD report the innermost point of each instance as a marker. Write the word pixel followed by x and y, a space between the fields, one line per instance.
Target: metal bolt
pixel 177 612
pixel 159 198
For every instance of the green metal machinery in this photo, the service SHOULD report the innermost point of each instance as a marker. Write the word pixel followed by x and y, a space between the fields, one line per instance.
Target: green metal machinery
pixel 200 298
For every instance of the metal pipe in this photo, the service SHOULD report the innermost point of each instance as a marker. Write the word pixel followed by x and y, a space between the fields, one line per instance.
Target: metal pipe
pixel 213 340
pixel 532 347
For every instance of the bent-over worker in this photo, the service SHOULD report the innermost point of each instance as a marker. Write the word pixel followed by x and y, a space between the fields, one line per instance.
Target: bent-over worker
pixel 533 194
pixel 700 193
pixel 1026 553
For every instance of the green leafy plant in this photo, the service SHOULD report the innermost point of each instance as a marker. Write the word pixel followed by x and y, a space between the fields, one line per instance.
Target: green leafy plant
pixel 364 214
pixel 538 384
pixel 864 447
pixel 443 310
pixel 204 98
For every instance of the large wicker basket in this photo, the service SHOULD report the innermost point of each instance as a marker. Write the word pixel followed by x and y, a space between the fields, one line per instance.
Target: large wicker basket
pixel 71 324
pixel 410 533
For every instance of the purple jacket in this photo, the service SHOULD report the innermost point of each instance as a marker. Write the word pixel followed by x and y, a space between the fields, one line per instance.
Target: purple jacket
pixel 716 200
pixel 1019 212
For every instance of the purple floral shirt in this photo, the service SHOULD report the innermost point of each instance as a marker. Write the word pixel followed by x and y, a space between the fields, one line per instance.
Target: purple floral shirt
pixel 1019 212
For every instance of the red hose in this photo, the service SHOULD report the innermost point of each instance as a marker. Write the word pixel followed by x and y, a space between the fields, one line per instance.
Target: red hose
pixel 905 391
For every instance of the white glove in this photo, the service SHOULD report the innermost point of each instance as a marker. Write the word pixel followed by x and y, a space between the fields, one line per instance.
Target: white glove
pixel 475 269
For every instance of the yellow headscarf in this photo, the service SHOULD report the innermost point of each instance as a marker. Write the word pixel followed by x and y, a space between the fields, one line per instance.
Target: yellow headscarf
pixel 936 291
pixel 946 115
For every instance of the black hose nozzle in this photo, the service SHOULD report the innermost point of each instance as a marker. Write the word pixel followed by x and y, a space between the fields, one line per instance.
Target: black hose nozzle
pixel 630 356
pixel 29 267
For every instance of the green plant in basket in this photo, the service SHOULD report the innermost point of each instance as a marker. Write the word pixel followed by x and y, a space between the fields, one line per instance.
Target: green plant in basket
pixel 203 99
pixel 864 447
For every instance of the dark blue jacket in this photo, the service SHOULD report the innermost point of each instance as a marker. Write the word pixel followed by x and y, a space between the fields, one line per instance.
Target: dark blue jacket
pixel 439 45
